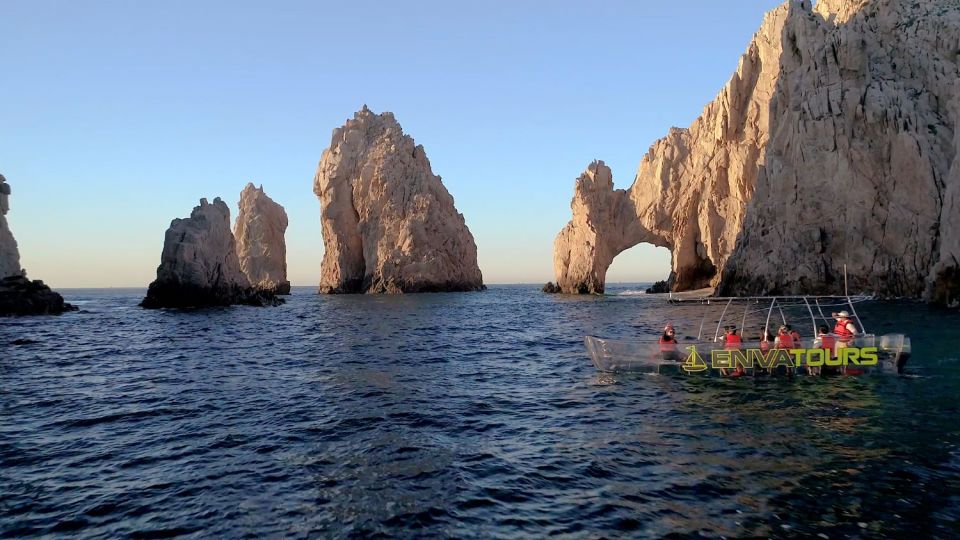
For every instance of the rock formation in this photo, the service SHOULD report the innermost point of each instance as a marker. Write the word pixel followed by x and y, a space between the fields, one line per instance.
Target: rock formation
pixel 835 143
pixel 19 295
pixel 9 255
pixel 199 266
pixel 389 225
pixel 261 247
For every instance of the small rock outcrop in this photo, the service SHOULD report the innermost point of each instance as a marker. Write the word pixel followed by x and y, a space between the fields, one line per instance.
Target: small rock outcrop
pixel 259 232
pixel 550 288
pixel 389 224
pixel 835 144
pixel 19 295
pixel 199 266
pixel 659 287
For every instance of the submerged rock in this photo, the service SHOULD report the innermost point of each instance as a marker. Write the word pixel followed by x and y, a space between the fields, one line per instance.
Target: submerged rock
pixel 199 266
pixel 261 247
pixel 20 296
pixel 389 225
pixel 550 288
pixel 659 287
pixel 835 143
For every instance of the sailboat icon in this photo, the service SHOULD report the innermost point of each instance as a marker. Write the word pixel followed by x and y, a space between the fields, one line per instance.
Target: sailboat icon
pixel 694 361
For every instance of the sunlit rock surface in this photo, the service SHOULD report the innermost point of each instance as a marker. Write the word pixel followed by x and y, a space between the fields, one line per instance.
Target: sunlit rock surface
pixel 389 224
pixel 261 247
pixel 199 266
pixel 834 143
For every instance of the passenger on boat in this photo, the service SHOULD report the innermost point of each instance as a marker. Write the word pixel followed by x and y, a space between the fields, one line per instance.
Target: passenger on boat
pixel 765 340
pixel 795 335
pixel 784 339
pixel 732 341
pixel 668 344
pixel 846 332
pixel 845 329
pixel 826 341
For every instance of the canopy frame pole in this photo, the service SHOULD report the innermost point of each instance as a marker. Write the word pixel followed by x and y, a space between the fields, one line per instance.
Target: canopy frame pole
pixel 743 321
pixel 813 319
pixel 722 314
pixel 856 317
pixel 766 326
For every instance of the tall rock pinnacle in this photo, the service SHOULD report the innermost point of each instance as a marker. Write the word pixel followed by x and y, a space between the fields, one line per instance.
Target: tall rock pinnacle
pixel 389 225
pixel 261 247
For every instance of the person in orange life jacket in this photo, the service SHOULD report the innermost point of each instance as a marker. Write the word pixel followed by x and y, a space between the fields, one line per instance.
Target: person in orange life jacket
pixel 765 340
pixel 731 341
pixel 826 341
pixel 846 331
pixel 795 335
pixel 668 344
pixel 784 339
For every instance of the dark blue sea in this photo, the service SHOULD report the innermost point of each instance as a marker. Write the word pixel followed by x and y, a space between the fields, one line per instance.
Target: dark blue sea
pixel 455 415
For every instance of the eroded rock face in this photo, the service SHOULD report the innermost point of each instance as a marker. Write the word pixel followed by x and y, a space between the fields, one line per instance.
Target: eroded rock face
pixel 389 225
pixel 199 266
pixel 259 233
pixel 9 254
pixel 835 143
pixel 19 295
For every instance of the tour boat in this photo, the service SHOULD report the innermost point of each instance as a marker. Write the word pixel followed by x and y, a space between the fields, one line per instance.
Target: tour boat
pixel 709 355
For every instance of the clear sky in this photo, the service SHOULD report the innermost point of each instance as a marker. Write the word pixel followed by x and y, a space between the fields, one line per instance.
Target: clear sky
pixel 119 116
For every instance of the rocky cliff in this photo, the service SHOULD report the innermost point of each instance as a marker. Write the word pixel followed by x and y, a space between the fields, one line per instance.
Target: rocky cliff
pixel 834 143
pixel 19 295
pixel 9 255
pixel 199 266
pixel 259 233
pixel 389 225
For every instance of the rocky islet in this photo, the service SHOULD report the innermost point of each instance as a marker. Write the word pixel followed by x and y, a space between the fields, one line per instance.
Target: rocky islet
pixel 199 266
pixel 389 225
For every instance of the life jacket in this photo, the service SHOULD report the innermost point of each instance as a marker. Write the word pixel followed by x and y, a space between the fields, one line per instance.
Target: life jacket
pixel 668 344
pixel 732 341
pixel 827 343
pixel 843 333
pixel 786 341
pixel 796 338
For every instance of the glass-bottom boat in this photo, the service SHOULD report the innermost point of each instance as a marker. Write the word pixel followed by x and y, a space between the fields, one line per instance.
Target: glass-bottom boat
pixel 866 354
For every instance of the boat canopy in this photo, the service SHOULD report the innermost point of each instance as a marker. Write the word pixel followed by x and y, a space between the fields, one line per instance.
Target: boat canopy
pixel 740 309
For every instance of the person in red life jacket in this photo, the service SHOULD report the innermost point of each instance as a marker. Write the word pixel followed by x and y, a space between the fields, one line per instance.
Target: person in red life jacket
pixel 668 344
pixel 784 339
pixel 826 341
pixel 732 342
pixel 765 340
pixel 795 335
pixel 845 329
pixel 846 332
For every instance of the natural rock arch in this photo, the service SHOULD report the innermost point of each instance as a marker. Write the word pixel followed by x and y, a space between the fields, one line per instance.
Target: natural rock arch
pixel 835 144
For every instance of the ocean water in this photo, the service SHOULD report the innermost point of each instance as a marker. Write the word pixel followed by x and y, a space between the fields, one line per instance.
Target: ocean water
pixel 463 415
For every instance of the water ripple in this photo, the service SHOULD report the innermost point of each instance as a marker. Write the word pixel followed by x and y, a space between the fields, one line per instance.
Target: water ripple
pixel 465 415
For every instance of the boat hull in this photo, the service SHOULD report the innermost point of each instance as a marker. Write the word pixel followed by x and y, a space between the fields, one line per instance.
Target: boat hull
pixel 866 355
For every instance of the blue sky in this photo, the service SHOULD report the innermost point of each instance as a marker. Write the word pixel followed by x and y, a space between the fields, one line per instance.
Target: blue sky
pixel 119 116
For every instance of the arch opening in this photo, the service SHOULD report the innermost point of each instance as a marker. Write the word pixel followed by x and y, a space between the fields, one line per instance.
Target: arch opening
pixel 638 268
